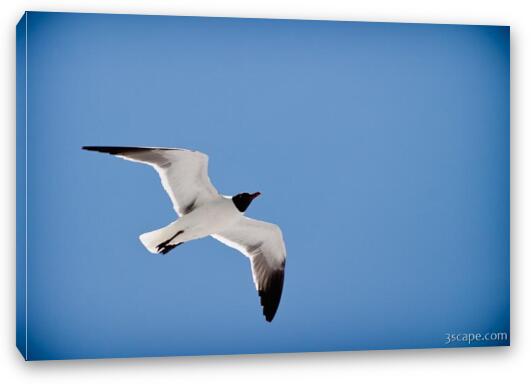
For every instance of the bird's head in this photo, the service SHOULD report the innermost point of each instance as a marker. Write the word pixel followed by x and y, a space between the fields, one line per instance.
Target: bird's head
pixel 243 200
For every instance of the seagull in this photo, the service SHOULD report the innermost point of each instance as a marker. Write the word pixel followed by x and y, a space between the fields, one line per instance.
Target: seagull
pixel 204 212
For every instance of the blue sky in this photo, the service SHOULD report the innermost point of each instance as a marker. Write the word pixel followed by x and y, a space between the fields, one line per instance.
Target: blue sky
pixel 381 150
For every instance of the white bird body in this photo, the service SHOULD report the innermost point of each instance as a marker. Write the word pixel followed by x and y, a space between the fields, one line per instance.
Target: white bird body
pixel 204 212
pixel 213 217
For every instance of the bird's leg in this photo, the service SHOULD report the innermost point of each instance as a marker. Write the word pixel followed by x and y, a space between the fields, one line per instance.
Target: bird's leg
pixel 165 246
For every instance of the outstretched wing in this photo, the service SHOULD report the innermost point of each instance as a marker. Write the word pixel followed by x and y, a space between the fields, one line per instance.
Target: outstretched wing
pixel 263 244
pixel 183 173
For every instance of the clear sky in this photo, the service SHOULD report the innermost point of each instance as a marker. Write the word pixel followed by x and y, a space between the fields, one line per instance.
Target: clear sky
pixel 381 150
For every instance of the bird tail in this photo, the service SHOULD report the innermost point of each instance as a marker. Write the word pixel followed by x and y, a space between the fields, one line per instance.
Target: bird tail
pixel 152 240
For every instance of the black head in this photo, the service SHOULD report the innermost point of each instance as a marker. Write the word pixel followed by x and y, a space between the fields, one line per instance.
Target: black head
pixel 243 200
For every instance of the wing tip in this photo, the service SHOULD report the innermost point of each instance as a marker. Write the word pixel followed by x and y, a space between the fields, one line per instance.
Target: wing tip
pixel 270 296
pixel 122 150
pixel 112 150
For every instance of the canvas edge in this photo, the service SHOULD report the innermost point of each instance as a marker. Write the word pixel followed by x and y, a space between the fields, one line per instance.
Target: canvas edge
pixel 21 184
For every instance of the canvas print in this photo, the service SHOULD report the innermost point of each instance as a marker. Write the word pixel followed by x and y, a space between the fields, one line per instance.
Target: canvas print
pixel 196 186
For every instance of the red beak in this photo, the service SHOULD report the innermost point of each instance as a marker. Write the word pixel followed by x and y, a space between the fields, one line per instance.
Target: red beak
pixel 255 195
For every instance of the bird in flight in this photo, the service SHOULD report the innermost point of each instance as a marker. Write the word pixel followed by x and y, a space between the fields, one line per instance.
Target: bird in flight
pixel 204 212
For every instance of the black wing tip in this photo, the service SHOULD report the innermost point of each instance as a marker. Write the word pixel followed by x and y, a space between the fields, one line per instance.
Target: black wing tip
pixel 113 150
pixel 270 295
pixel 122 150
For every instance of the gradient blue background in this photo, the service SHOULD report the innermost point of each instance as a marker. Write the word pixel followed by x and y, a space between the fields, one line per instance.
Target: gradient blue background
pixel 382 151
